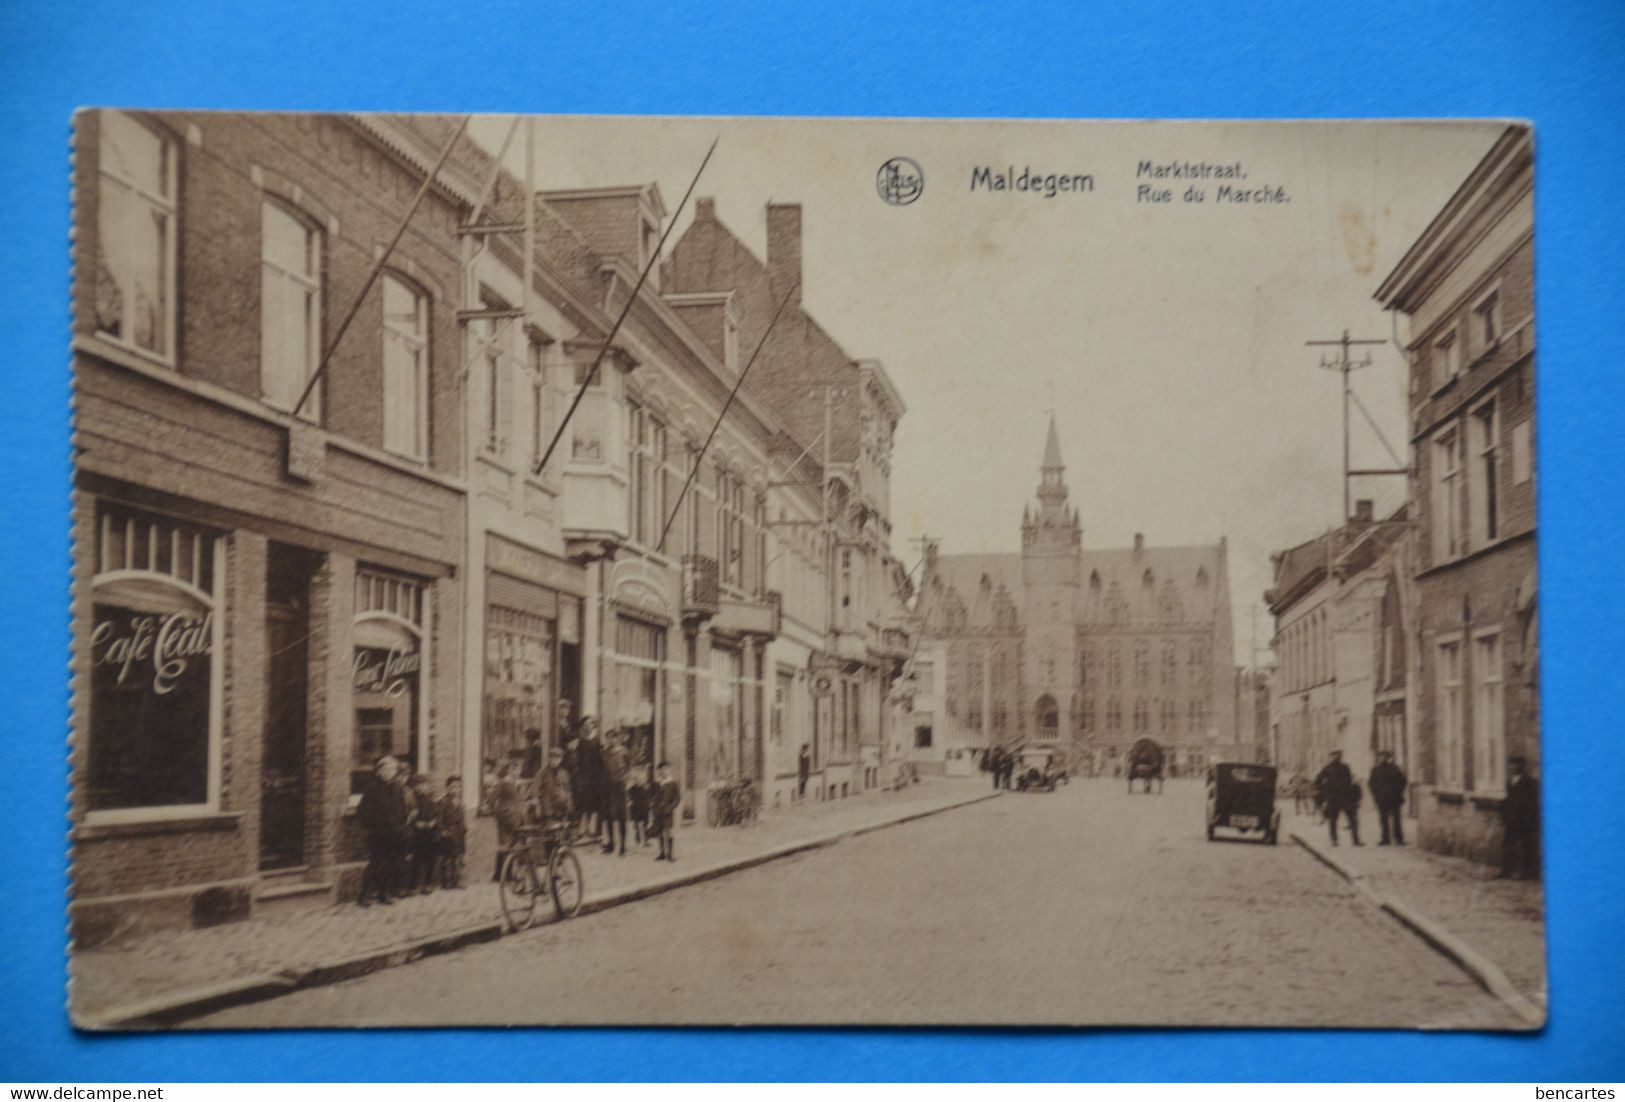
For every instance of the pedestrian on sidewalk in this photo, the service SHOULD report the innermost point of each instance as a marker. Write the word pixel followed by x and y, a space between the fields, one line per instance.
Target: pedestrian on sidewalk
pixel 803 771
pixel 425 835
pixel 994 765
pixel 508 808
pixel 637 806
pixel 453 837
pixel 382 817
pixel 666 798
pixel 533 754
pixel 587 774
pixel 1388 783
pixel 613 813
pixel 554 796
pixel 1334 792
pixel 1520 823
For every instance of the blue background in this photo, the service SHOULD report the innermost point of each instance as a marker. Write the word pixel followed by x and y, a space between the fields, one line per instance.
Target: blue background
pixel 1559 64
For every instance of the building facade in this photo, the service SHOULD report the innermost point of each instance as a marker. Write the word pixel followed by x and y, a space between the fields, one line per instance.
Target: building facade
pixel 267 591
pixel 1060 644
pixel 1465 293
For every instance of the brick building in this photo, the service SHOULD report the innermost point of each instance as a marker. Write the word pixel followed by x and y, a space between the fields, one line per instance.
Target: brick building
pixel 1090 647
pixel 837 416
pixel 1465 289
pixel 266 596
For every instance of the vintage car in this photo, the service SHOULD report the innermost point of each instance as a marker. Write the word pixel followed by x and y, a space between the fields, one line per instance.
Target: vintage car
pixel 1241 796
pixel 1041 770
pixel 1145 760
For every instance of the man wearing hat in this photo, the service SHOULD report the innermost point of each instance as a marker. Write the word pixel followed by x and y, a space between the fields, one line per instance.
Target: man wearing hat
pixel 1334 787
pixel 1387 783
pixel 1520 823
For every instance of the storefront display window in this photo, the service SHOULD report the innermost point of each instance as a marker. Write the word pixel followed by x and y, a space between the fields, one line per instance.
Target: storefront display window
pixel 726 709
pixel 518 680
pixel 635 707
pixel 387 672
pixel 155 682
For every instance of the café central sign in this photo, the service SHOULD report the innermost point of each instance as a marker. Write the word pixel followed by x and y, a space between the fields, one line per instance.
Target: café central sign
pixel 165 644
pixel 381 671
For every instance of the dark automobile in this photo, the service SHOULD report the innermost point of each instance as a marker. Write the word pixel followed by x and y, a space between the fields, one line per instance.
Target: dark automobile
pixel 1241 796
pixel 1145 764
pixel 1041 770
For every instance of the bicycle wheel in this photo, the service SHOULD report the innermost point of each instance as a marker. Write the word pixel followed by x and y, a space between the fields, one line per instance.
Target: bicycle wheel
pixel 568 886
pixel 518 890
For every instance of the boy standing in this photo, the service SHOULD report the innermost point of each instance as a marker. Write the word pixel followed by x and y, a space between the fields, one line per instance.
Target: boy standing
pixel 425 835
pixel 666 798
pixel 453 834
pixel 637 806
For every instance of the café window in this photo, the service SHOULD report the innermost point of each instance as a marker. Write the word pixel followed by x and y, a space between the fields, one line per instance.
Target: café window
pixel 386 672
pixel 153 746
pixel 633 701
pixel 135 227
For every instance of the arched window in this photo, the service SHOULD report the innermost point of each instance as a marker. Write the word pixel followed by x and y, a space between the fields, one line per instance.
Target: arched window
pixel 153 744
pixel 1047 717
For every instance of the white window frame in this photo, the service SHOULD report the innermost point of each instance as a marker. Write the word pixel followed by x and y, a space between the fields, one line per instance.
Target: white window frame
pixel 1489 713
pixel 215 602
pixel 169 206
pixel 307 283
pixel 1484 490
pixel 1450 718
pixel 1523 452
pixel 536 351
pixel 1448 541
pixel 1490 307
pixel 1446 345
pixel 415 342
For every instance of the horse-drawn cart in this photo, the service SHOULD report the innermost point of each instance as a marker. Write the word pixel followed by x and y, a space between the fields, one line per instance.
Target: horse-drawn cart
pixel 1145 761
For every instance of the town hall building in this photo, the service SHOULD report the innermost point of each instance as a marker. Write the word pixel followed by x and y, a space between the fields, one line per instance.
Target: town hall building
pixel 1063 645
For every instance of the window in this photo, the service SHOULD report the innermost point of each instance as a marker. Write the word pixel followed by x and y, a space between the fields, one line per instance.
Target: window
pixel 1486 491
pixel 489 334
pixel 1114 667
pixel 1142 663
pixel 1487 321
pixel 922 738
pixel 1446 357
pixel 290 308
pixel 406 369
pixel 152 747
pixel 1169 714
pixel 1447 542
pixel 1170 664
pixel 1048 718
pixel 135 227
pixel 1450 714
pixel 731 535
pixel 1001 715
pixel 1142 717
pixel 1086 715
pixel 537 355
pixel 783 683
pixel 1114 714
pixel 1489 735
pixel 386 673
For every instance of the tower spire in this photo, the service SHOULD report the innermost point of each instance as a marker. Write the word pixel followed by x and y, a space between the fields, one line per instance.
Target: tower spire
pixel 1052 448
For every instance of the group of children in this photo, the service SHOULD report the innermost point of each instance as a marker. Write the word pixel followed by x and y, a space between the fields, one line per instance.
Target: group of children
pixel 415 840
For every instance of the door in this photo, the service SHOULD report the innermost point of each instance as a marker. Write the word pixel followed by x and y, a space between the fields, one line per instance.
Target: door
pixel 282 773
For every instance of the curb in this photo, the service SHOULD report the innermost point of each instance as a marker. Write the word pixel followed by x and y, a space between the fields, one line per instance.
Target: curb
pixel 167 1010
pixel 1485 972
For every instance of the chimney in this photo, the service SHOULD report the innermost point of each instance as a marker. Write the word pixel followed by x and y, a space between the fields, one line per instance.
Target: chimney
pixel 784 250
pixel 1139 543
pixel 1363 511
pixel 705 209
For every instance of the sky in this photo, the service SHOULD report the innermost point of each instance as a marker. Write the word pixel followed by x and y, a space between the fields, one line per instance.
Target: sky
pixel 1168 338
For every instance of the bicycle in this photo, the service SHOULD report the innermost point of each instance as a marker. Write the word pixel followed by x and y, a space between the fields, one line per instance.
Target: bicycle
pixel 540 851
pixel 733 803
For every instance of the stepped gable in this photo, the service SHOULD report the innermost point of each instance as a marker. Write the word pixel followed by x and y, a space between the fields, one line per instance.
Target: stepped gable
pixel 963 576
pixel 1185 584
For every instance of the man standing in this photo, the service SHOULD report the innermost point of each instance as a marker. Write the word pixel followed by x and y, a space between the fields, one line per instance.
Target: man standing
pixel 803 771
pixel 1387 783
pixel 1334 789
pixel 612 810
pixel 1520 823
pixel 382 817
pixel 587 771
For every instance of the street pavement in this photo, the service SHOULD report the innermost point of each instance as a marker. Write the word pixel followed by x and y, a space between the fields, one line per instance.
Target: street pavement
pixel 1085 906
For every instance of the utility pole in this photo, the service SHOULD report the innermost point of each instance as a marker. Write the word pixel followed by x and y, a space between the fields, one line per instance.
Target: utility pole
pixel 1343 362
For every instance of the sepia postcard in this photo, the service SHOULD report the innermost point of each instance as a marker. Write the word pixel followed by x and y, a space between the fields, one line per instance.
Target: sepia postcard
pixel 686 571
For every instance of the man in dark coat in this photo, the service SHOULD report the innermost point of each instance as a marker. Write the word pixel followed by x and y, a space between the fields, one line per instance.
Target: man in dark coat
pixel 1520 823
pixel 803 771
pixel 382 817
pixel 663 815
pixel 1387 784
pixel 1334 789
pixel 587 771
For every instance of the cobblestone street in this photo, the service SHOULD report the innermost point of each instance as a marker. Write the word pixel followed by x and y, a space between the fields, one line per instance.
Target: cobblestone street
pixel 1085 906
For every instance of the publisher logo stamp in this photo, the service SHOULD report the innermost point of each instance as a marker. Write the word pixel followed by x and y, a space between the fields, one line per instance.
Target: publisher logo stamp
pixel 900 181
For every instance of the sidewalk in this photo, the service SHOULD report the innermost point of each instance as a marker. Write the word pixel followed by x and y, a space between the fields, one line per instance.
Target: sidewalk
pixel 164 977
pixel 1495 929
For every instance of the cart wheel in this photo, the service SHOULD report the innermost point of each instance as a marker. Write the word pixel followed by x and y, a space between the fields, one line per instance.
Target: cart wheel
pixel 565 879
pixel 518 889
